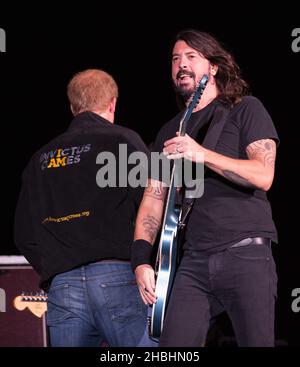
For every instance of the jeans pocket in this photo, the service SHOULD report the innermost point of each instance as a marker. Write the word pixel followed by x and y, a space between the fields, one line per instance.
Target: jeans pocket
pixel 251 252
pixel 58 304
pixel 123 300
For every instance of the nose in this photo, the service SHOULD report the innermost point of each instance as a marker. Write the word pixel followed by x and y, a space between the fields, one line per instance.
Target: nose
pixel 182 64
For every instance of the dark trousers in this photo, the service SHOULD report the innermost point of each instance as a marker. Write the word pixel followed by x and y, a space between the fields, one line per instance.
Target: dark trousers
pixel 242 281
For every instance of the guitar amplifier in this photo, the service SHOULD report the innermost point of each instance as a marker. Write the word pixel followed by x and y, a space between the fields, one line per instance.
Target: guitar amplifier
pixel 19 326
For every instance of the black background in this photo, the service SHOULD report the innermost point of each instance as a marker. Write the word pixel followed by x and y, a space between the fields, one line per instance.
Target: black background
pixel 45 47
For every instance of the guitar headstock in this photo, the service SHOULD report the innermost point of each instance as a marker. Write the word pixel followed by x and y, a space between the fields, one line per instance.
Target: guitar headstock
pixel 198 92
pixel 194 101
pixel 35 302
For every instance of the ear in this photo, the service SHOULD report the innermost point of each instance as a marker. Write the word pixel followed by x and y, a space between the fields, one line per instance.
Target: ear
pixel 213 69
pixel 112 105
pixel 72 110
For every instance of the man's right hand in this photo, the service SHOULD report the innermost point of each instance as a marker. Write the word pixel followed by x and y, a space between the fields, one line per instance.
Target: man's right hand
pixel 145 280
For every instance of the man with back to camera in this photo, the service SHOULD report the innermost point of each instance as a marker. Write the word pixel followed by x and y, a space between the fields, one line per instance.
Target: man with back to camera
pixel 77 235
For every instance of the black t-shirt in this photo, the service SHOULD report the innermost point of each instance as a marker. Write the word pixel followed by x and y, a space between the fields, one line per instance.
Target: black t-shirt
pixel 227 213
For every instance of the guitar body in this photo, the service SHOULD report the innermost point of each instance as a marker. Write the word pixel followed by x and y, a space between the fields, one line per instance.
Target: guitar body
pixel 168 250
pixel 167 256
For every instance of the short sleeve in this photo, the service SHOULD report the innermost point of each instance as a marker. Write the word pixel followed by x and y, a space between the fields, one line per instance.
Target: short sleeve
pixel 161 166
pixel 256 123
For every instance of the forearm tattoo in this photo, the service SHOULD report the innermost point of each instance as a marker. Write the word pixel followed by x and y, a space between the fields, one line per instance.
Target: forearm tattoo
pixel 151 227
pixel 263 150
pixel 156 192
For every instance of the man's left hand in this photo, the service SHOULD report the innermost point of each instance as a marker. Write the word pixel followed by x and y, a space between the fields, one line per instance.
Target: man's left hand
pixel 184 147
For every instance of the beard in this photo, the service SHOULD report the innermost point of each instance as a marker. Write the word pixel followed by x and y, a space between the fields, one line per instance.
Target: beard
pixel 183 90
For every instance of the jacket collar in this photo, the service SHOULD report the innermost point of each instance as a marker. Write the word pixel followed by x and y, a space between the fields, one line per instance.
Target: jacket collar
pixel 88 118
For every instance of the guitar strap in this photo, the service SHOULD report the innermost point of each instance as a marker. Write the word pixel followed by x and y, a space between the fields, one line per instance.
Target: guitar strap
pixel 210 142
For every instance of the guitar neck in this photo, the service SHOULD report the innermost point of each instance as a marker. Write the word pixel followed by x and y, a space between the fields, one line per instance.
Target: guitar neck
pixel 171 198
pixel 170 203
pixel 183 122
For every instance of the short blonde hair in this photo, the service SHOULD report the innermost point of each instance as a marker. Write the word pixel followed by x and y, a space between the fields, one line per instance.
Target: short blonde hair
pixel 91 89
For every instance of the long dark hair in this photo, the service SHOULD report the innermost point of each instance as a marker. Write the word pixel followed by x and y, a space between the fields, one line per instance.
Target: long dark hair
pixel 228 79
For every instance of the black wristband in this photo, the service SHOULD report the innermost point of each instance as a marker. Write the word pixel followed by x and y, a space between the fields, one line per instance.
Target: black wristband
pixel 141 252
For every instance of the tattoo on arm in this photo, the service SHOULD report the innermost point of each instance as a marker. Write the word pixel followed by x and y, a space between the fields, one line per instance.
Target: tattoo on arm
pixel 156 192
pixel 151 226
pixel 263 150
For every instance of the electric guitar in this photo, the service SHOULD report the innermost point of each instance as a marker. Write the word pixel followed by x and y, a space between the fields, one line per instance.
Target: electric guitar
pixel 35 302
pixel 166 260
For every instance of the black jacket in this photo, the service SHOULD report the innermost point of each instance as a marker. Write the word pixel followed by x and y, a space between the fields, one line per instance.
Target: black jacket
pixel 63 218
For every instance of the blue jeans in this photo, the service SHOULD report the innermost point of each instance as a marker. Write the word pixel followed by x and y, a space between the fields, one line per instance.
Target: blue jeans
pixel 97 303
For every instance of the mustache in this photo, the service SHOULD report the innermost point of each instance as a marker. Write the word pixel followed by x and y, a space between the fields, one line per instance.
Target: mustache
pixel 186 73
